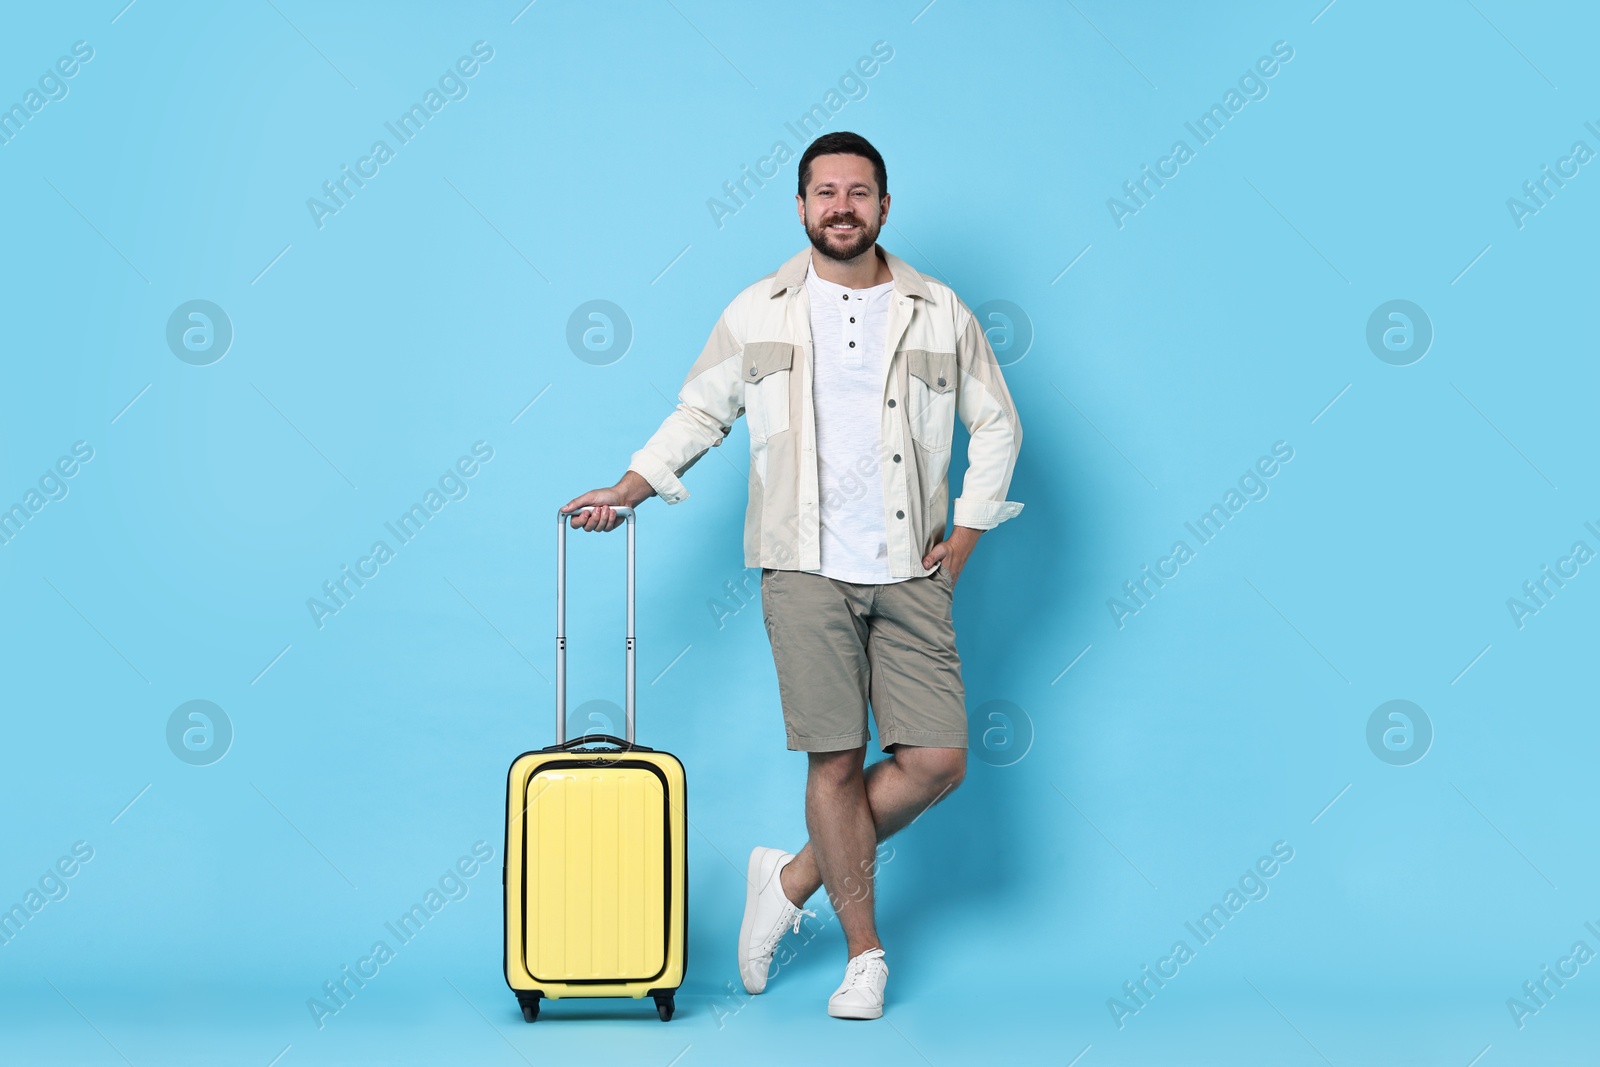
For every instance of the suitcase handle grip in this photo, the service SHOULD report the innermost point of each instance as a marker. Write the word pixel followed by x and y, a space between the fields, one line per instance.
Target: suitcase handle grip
pixel 621 510
pixel 591 739
pixel 561 627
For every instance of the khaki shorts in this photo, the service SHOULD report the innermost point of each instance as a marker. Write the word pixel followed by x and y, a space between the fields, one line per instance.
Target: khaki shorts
pixel 840 647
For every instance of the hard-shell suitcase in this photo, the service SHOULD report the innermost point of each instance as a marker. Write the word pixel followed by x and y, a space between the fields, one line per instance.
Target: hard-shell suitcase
pixel 595 876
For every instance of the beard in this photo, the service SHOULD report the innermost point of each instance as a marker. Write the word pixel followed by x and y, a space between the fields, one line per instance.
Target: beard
pixel 843 247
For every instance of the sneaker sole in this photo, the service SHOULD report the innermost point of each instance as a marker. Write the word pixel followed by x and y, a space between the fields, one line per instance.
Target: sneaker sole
pixel 752 890
pixel 855 1013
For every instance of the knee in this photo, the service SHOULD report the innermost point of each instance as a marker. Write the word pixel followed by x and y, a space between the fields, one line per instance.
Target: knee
pixel 938 770
pixel 837 770
pixel 954 769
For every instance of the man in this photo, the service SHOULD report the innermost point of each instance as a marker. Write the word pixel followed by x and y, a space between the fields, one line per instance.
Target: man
pixel 850 368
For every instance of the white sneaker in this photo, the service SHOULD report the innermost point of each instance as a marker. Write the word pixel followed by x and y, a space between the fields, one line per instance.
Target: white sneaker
pixel 767 914
pixel 861 995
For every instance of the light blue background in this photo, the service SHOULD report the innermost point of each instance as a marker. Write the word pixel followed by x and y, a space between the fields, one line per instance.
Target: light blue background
pixel 425 316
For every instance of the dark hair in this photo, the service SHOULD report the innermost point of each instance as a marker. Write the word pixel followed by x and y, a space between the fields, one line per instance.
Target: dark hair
pixel 848 144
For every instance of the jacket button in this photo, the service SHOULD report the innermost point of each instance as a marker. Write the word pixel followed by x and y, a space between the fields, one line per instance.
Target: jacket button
pixel 941 381
pixel 752 372
pixel 899 514
pixel 897 457
pixel 891 401
pixel 853 344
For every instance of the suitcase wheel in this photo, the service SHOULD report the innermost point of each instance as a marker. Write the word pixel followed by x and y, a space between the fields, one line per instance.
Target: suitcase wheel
pixel 664 1007
pixel 530 1008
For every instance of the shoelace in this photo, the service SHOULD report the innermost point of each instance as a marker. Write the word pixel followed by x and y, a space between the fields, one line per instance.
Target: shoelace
pixel 777 931
pixel 857 971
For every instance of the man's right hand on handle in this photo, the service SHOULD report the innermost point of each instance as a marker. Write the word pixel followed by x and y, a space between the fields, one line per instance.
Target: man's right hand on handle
pixel 594 509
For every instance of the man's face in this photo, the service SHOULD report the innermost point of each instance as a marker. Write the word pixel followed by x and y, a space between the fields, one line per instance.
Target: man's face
pixel 842 211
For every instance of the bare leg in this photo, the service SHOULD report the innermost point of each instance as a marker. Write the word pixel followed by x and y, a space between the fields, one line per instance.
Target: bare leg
pixel 841 824
pixel 848 811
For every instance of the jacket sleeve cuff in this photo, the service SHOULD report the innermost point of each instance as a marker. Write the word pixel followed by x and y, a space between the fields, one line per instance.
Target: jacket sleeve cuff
pixel 659 475
pixel 982 514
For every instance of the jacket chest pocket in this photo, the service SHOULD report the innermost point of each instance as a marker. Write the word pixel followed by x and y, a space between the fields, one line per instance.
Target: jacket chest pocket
pixel 931 400
pixel 767 368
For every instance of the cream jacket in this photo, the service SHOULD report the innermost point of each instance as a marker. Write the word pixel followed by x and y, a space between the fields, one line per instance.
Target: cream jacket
pixel 757 363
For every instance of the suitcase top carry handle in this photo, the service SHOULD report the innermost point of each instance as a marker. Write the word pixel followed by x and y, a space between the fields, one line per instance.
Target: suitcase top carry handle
pixel 561 624
pixel 582 744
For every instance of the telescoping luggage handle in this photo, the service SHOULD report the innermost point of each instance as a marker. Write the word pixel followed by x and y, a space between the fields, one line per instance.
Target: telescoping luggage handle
pixel 561 624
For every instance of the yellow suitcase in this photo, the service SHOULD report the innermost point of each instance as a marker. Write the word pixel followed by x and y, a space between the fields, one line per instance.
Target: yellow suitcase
pixel 595 875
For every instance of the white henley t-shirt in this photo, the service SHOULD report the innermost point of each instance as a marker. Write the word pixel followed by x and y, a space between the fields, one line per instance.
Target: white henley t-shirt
pixel 849 364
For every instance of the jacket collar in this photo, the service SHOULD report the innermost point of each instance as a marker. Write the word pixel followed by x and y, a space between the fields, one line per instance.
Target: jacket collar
pixel 906 279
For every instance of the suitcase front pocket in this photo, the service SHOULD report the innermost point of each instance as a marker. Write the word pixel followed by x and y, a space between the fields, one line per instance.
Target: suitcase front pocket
pixel 596 880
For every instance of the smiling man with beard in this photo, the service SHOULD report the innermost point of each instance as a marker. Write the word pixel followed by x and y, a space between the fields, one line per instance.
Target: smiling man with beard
pixel 850 367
